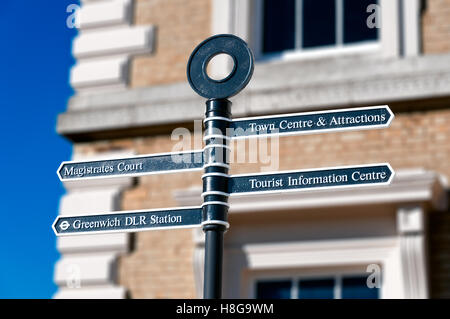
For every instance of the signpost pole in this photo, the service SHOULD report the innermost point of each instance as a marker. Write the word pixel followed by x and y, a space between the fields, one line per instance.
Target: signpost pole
pixel 215 192
pixel 216 152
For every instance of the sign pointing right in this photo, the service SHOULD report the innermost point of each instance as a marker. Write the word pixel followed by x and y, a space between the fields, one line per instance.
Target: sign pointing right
pixel 313 122
pixel 323 178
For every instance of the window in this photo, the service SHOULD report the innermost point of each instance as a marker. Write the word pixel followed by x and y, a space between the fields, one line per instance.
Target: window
pixel 274 289
pixel 337 287
pixel 316 289
pixel 309 24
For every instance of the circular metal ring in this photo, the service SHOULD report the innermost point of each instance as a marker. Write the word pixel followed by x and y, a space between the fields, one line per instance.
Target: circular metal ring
pixel 232 84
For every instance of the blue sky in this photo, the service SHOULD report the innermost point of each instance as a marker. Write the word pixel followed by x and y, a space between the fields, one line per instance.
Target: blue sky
pixel 35 59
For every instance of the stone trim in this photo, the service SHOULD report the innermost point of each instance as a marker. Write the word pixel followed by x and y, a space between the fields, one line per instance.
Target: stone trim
pixel 88 264
pixel 120 40
pixel 411 28
pixel 408 186
pixel 105 44
pixel 95 293
pixel 276 87
pixel 109 72
pixel 95 14
pixel 332 255
pixel 410 224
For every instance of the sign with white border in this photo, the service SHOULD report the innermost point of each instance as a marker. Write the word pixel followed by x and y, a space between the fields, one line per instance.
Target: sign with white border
pixel 363 118
pixel 131 166
pixel 302 180
pixel 128 221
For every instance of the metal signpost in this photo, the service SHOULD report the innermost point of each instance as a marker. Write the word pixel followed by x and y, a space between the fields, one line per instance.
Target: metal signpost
pixel 217 122
pixel 218 185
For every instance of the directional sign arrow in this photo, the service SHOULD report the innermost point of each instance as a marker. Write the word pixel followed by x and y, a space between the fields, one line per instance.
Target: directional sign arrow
pixel 131 166
pixel 313 122
pixel 128 221
pixel 323 178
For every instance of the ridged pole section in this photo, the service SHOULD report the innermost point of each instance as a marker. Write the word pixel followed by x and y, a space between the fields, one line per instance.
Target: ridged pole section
pixel 215 192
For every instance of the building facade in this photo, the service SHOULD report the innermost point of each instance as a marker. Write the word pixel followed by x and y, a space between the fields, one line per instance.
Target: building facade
pixel 132 92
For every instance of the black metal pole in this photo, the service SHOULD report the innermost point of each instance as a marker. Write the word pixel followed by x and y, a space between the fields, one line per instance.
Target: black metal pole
pixel 216 152
pixel 215 192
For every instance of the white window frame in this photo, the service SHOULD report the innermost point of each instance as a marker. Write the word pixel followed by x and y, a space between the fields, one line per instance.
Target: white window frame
pixel 295 278
pixel 298 52
pixel 325 258
pixel 399 33
pixel 401 255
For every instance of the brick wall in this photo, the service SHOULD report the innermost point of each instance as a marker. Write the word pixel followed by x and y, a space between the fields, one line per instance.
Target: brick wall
pixel 436 27
pixel 178 32
pixel 161 263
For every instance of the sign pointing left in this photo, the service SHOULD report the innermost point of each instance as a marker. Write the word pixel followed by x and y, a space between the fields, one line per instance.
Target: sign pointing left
pixel 128 221
pixel 131 166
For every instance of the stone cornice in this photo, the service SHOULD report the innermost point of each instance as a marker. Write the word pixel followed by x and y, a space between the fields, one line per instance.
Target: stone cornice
pixel 276 87
pixel 408 187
